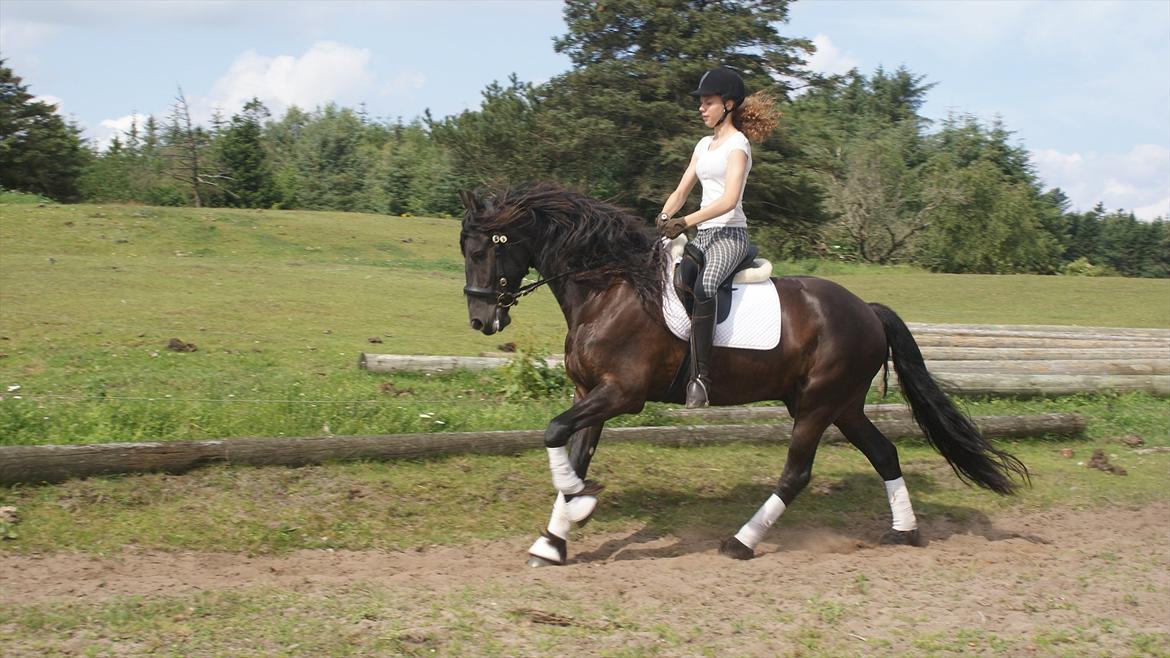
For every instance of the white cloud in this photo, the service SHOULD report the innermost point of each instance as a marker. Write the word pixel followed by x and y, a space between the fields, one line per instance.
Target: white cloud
pixel 828 58
pixel 1159 208
pixel 49 99
pixel 327 72
pixel 1137 180
pixel 109 128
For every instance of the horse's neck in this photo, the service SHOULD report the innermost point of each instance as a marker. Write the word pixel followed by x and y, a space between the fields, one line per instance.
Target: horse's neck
pixel 573 299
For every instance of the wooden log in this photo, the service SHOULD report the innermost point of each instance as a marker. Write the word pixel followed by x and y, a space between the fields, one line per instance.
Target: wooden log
pixel 770 412
pixel 1157 332
pixel 978 383
pixel 421 363
pixel 935 353
pixel 1030 332
pixel 55 463
pixel 1056 367
pixel 949 340
pixel 1033 385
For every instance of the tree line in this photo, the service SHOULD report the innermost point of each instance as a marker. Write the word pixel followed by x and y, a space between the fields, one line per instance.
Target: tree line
pixel 854 171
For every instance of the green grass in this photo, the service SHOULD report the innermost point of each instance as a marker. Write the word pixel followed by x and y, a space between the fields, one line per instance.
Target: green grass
pixel 280 304
pixel 9 197
pixel 412 504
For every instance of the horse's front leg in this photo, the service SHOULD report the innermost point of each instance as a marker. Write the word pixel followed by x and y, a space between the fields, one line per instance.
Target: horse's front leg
pixel 576 496
pixel 552 545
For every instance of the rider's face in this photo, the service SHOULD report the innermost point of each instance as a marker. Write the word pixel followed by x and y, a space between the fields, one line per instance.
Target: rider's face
pixel 711 108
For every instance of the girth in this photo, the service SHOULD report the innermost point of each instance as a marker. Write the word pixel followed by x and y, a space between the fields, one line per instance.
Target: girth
pixel 690 268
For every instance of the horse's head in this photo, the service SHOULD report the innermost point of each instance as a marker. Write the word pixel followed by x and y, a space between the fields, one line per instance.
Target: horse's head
pixel 496 256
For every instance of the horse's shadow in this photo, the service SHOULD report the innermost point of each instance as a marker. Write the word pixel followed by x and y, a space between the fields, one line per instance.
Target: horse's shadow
pixel 678 523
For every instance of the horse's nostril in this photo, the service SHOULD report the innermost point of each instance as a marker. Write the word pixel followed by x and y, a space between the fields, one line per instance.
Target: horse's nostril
pixel 477 324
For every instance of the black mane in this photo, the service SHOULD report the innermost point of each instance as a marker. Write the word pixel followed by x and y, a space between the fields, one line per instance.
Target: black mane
pixel 576 233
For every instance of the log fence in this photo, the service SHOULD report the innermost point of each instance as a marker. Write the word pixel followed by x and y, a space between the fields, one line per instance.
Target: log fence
pixel 966 359
pixel 55 463
pixel 1020 360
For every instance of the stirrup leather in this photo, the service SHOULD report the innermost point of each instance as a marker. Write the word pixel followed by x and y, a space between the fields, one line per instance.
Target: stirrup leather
pixel 702 336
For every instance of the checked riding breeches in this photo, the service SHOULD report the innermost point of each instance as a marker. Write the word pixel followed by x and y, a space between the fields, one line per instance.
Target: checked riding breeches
pixel 723 249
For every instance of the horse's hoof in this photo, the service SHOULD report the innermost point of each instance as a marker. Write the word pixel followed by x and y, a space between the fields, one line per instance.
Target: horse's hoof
pixel 582 504
pixel 901 538
pixel 582 522
pixel 581 508
pixel 735 549
pixel 548 550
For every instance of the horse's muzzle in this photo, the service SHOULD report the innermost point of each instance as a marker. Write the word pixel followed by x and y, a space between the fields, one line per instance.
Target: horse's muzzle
pixel 500 319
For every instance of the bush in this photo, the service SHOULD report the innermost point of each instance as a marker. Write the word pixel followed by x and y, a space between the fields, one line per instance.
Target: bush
pixel 527 376
pixel 1082 267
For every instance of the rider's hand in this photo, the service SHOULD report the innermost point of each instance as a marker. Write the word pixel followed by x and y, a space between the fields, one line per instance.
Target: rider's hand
pixel 672 227
pixel 661 220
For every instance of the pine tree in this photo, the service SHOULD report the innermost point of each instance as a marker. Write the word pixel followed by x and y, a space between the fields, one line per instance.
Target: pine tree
pixel 39 151
pixel 246 166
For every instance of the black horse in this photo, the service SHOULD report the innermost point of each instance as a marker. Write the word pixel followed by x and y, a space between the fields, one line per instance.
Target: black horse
pixel 606 270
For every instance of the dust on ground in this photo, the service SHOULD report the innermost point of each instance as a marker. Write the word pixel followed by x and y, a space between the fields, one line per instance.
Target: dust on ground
pixel 1044 583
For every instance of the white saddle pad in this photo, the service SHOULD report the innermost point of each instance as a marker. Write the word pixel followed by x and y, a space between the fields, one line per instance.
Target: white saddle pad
pixel 754 322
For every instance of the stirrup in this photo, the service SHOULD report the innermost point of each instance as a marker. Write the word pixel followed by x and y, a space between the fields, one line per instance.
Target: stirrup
pixel 697 393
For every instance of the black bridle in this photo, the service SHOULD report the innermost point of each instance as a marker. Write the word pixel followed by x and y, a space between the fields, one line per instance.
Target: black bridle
pixel 503 297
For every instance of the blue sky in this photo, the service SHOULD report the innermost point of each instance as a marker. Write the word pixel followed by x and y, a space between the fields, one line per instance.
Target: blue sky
pixel 1085 86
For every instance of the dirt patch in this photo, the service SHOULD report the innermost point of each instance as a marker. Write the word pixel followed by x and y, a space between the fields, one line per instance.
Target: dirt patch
pixel 1041 583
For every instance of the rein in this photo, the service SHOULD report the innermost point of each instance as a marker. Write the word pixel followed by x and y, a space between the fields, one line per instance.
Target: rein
pixel 506 298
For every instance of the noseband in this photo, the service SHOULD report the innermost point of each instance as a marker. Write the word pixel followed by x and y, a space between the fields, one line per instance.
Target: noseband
pixel 503 297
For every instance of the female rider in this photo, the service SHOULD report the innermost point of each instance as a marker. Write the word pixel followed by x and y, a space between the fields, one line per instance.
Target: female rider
pixel 721 162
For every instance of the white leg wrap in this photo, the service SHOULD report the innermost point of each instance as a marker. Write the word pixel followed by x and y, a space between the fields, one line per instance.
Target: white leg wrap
pixel 565 479
pixel 900 505
pixel 542 547
pixel 581 507
pixel 754 530
pixel 559 523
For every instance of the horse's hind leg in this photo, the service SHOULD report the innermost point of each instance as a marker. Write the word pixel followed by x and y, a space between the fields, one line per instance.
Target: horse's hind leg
pixel 806 436
pixel 880 452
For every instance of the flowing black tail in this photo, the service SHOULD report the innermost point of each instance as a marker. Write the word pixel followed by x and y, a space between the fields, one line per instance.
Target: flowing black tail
pixel 947 429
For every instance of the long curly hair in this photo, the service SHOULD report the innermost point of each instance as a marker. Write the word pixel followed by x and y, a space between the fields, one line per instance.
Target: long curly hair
pixel 597 240
pixel 756 117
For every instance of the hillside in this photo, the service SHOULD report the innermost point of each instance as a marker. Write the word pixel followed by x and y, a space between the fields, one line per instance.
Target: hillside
pixel 280 303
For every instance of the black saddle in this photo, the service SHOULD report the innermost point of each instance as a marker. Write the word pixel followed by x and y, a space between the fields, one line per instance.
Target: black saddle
pixel 688 270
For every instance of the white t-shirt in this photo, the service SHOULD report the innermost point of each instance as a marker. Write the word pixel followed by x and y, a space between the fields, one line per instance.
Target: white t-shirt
pixel 712 171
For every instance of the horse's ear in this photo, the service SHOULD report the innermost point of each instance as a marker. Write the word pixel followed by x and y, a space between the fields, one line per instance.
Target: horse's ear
pixel 469 200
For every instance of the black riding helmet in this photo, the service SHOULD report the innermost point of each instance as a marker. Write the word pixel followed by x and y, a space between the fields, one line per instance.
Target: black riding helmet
pixel 721 82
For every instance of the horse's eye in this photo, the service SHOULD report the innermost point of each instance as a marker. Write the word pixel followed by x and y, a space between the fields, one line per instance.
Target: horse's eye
pixel 477 255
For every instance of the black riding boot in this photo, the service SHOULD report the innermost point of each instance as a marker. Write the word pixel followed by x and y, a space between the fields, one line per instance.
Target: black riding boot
pixel 702 335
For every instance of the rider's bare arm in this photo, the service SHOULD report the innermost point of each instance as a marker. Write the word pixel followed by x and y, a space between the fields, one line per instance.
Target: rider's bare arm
pixel 678 198
pixel 736 170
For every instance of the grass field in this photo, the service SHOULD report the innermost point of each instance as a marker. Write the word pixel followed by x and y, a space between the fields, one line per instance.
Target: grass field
pixel 279 305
